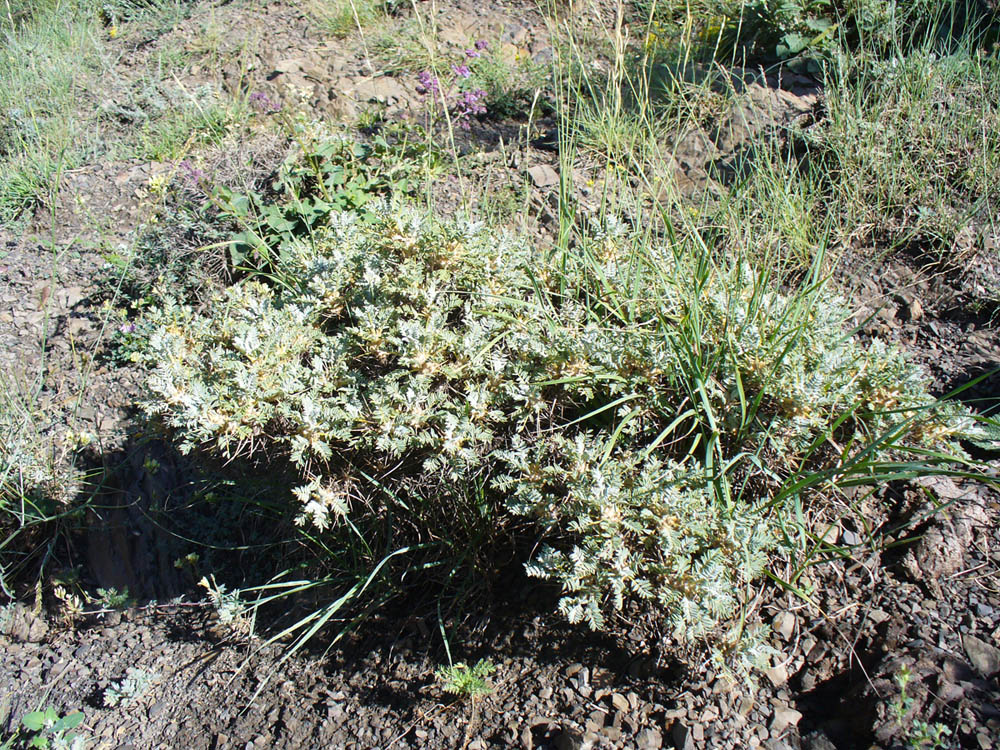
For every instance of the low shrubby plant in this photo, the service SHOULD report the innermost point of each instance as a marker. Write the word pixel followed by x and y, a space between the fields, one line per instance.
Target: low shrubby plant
pixel 227 604
pixel 112 598
pixel 651 412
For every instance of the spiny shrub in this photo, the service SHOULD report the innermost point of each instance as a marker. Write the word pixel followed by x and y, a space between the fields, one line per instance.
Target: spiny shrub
pixel 641 407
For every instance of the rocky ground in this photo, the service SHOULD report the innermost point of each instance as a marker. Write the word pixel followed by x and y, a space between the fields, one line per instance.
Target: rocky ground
pixel 915 591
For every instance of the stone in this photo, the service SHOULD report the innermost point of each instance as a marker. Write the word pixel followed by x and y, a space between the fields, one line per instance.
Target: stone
pixel 527 740
pixel 542 176
pixel 620 702
pixel 878 616
pixel 571 739
pixel 784 716
pixel 543 56
pixel 291 65
pixel 384 90
pixel 984 657
pixel 77 326
pixel 817 741
pixel 681 737
pixel 777 675
pixel 514 33
pixel 508 53
pixel 944 488
pixel 954 670
pixel 832 534
pixel 25 625
pixel 784 624
pixel 649 739
pixel 454 35
pixel 71 296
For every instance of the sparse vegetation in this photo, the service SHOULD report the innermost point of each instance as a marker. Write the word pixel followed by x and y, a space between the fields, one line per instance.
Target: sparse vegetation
pixel 917 733
pixel 642 386
pixel 344 17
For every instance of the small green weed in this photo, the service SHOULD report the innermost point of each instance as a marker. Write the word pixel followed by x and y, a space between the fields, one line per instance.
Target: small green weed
pixel 464 681
pixel 229 605
pixel 46 729
pixel 324 181
pixel 112 598
pixel 919 735
pixel 130 690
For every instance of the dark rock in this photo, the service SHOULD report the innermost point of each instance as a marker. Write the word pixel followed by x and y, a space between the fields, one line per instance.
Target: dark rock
pixel 817 741
pixel 984 657
pixel 682 738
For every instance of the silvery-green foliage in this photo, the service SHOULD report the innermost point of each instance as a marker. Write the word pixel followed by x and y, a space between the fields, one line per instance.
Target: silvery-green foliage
pixel 228 604
pixel 595 392
pixel 644 529
pixel 128 691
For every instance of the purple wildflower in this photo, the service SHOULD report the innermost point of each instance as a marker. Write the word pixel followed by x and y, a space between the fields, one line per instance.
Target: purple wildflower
pixel 462 71
pixel 472 53
pixel 481 45
pixel 192 175
pixel 262 102
pixel 469 104
pixel 428 83
pixel 127 327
